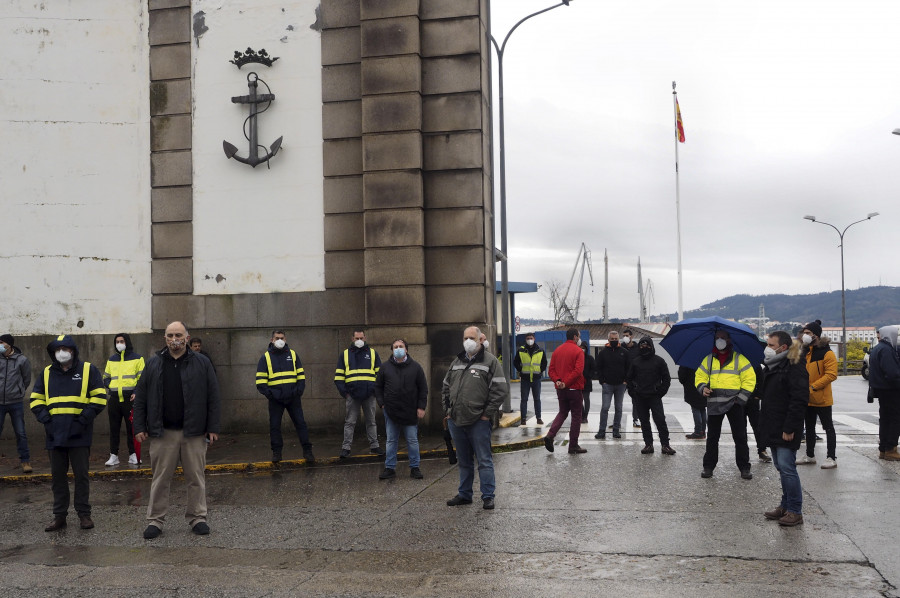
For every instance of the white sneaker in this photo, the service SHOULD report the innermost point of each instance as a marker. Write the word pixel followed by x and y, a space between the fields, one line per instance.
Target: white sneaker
pixel 804 460
pixel 132 459
pixel 113 459
pixel 829 463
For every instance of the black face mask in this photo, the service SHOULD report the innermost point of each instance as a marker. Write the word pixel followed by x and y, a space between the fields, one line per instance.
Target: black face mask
pixel 613 343
pixel 644 350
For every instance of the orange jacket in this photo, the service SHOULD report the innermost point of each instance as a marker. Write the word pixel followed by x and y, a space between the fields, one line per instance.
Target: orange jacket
pixel 822 367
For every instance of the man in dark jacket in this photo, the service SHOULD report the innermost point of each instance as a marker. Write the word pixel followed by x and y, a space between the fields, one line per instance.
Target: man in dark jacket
pixel 785 392
pixel 354 377
pixel 67 397
pixel 177 408
pixel 15 379
pixel 567 373
pixel 648 382
pixel 531 363
pixel 630 344
pixel 281 379
pixel 612 366
pixel 588 373
pixel 884 384
pixel 401 390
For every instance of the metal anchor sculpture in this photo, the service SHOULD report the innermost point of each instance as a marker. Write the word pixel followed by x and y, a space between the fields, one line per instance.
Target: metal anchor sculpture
pixel 254 100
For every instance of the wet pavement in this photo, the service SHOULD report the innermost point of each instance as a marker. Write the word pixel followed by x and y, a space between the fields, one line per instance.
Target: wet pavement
pixel 611 521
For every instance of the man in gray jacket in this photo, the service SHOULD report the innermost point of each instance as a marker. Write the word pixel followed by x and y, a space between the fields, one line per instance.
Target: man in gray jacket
pixel 15 378
pixel 473 390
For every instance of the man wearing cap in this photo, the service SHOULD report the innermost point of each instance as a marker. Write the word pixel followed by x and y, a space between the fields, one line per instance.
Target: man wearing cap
pixel 67 397
pixel 821 364
pixel 15 378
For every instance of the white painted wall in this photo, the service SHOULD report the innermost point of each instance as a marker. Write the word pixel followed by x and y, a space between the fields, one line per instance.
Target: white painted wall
pixel 258 230
pixel 74 166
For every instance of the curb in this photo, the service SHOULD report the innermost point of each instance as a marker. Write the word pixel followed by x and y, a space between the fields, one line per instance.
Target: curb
pixel 263 466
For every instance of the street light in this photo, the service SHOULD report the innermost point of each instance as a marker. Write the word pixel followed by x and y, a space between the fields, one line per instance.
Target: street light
pixel 504 268
pixel 843 300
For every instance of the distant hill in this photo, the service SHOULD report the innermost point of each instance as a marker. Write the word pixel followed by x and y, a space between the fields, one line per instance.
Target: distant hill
pixel 869 306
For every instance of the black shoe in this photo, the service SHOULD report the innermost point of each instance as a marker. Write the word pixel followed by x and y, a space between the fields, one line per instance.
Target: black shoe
pixel 706 473
pixel 548 443
pixel 576 450
pixel 540 422
pixel 636 424
pixel 745 474
pixel 415 473
pixel 308 455
pixel 200 528
pixel 387 474
pixel 488 504
pixel 458 500
pixel 59 522
pixel 345 453
pixel 647 450
pixel 600 436
pixel 668 450
pixel 584 420
pixel 276 456
pixel 376 450
pixel 152 532
pixel 616 435
pixel 86 522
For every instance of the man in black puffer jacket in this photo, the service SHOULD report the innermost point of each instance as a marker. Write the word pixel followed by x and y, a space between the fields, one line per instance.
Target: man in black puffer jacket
pixel 785 392
pixel 648 382
pixel 401 390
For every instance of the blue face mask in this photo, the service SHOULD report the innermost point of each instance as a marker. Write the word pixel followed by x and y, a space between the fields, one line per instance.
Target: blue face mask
pixel 399 353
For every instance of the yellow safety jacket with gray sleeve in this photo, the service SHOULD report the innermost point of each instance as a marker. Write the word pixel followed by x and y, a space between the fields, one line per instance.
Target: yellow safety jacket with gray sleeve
pixel 123 370
pixel 733 382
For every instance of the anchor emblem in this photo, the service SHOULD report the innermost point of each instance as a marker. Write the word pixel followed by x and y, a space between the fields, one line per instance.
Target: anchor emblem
pixel 254 99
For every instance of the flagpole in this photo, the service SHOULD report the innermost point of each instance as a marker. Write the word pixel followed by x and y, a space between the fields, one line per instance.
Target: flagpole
pixel 677 202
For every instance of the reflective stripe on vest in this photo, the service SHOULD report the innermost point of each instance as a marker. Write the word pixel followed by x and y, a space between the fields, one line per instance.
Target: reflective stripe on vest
pixel 531 364
pixel 727 377
pixel 276 378
pixel 367 375
pixel 73 405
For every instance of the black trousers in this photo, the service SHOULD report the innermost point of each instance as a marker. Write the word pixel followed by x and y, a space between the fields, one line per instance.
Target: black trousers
pixel 738 422
pixel 888 422
pixel 117 412
pixel 824 414
pixel 751 410
pixel 643 407
pixel 60 459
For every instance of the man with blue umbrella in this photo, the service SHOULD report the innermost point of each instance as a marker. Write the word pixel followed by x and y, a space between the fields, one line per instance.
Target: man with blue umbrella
pixel 727 380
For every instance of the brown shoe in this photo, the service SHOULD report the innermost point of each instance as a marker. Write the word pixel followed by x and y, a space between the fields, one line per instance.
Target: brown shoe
pixel 791 519
pixel 892 455
pixel 26 467
pixel 59 522
pixel 577 451
pixel 775 514
pixel 86 522
pixel 540 422
pixel 881 454
pixel 668 450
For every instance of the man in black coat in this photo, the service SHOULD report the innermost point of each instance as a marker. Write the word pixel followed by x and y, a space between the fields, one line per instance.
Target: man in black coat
pixel 785 393
pixel 884 383
pixel 401 390
pixel 588 374
pixel 612 365
pixel 696 400
pixel 648 382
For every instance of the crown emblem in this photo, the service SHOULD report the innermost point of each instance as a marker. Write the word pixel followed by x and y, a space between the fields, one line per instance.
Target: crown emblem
pixel 250 55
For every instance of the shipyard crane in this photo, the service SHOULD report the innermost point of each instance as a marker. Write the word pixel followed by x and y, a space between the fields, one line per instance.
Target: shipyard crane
pixel 566 312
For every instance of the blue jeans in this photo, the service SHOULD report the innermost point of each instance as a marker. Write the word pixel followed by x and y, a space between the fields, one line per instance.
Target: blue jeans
pixel 295 411
pixel 700 420
pixel 610 391
pixel 527 384
pixel 17 417
pixel 474 441
pixel 393 436
pixel 785 461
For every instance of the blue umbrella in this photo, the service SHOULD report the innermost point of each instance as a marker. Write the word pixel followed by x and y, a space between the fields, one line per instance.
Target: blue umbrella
pixel 692 339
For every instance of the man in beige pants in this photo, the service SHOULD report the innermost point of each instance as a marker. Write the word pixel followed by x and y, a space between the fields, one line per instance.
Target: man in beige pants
pixel 177 412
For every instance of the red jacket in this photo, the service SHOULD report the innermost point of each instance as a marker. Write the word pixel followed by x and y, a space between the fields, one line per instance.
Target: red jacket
pixel 567 364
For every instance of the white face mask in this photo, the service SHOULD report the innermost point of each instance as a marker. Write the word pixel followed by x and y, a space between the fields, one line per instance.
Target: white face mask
pixel 769 352
pixel 578 341
pixel 486 345
pixel 359 343
pixel 721 343
pixel 529 342
pixel 279 343
pixel 626 340
pixel 120 347
pixel 63 356
pixel 806 339
pixel 470 346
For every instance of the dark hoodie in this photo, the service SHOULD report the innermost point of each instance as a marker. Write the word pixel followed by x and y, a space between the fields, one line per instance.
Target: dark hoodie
pixel 70 422
pixel 123 370
pixel 648 375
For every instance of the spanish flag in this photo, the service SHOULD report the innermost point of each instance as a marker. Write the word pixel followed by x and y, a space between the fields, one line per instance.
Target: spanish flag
pixel 679 124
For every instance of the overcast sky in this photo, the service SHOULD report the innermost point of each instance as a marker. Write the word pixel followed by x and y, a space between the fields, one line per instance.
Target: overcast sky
pixel 788 109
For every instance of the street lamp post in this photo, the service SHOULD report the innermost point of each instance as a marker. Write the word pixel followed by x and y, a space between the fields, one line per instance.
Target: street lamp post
pixel 843 300
pixel 504 269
